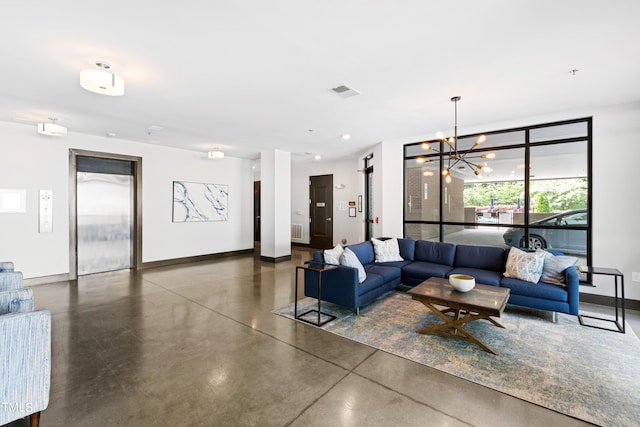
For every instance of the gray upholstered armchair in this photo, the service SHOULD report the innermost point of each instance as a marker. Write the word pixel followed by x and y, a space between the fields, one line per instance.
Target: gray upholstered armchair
pixel 25 351
pixel 6 266
pixel 10 280
pixel 25 365
pixel 14 297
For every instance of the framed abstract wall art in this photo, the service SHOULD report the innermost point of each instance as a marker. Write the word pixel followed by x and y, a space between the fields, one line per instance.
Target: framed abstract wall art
pixel 198 202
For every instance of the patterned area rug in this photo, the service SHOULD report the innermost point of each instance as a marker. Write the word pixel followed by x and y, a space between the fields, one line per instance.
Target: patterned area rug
pixel 587 373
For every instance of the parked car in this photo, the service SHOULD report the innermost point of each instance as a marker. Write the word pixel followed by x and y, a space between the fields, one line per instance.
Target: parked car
pixel 561 239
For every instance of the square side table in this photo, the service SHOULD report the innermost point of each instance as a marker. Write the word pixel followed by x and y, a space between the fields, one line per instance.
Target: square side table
pixel 318 268
pixel 618 301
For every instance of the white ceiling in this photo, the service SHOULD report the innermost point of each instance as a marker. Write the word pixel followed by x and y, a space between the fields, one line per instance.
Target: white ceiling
pixel 249 74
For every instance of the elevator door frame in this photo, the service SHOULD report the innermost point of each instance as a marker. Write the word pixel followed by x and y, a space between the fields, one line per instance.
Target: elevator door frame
pixel 73 206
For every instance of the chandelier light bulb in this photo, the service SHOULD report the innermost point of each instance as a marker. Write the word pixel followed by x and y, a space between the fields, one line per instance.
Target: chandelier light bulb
pixel 439 135
pixel 426 146
pixel 448 179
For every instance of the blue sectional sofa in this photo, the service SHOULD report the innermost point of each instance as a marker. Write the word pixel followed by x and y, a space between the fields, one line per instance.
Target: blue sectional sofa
pixel 423 259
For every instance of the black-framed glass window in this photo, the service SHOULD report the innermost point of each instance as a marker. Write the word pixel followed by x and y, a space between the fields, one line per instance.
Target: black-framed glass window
pixel 534 192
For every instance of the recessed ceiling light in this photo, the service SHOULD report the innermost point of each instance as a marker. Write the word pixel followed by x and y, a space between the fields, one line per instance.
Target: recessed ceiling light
pixel 156 128
pixel 346 136
pixel 111 134
pixel 317 157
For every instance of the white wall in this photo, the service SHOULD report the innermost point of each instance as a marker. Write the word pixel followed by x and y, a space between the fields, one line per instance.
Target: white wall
pixel 616 198
pixel 35 162
pixel 344 172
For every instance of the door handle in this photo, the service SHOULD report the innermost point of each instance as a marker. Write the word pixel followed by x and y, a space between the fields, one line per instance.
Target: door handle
pixel 328 219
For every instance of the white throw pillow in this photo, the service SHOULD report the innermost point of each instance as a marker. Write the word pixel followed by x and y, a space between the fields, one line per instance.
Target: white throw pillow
pixel 386 250
pixel 349 259
pixel 554 267
pixel 525 265
pixel 332 256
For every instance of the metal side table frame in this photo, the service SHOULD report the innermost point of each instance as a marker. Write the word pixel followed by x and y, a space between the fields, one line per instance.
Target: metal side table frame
pixel 618 301
pixel 318 268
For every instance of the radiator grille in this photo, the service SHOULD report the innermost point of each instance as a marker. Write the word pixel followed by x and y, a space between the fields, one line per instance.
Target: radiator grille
pixel 296 231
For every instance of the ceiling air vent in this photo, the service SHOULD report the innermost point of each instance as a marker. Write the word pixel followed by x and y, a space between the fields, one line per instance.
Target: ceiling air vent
pixel 345 91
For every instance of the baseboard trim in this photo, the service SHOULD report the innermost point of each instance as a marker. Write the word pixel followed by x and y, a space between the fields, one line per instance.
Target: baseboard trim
pixel 34 281
pixel 302 245
pixel 630 304
pixel 275 259
pixel 196 258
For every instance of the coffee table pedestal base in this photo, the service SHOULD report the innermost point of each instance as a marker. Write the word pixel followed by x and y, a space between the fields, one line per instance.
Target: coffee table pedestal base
pixel 453 326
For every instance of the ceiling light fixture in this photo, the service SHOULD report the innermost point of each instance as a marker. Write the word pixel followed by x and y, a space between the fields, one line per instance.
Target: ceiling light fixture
pixel 102 81
pixel 52 129
pixel 216 155
pixel 454 156
pixel 346 136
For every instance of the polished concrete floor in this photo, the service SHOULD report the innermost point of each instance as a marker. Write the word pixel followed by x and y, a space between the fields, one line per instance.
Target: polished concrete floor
pixel 197 345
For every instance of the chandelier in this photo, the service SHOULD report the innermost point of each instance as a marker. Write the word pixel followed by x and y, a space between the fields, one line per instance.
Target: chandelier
pixel 454 157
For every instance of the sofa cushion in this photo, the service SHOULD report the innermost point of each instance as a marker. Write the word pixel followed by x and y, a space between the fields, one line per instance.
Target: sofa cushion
pixel 332 256
pixel 537 290
pixel 372 282
pixel 484 277
pixel 397 264
pixel 364 252
pixel 435 252
pixel 554 267
pixel 349 259
pixel 424 270
pixel 407 249
pixel 388 272
pixel 481 257
pixel 386 250
pixel 524 265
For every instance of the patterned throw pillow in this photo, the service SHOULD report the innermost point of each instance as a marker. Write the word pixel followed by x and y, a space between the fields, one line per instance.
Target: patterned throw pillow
pixel 525 265
pixel 349 259
pixel 554 267
pixel 386 250
pixel 332 256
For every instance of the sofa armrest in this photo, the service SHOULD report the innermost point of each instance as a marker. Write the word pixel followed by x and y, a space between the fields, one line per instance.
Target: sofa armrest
pixel 25 364
pixel 16 301
pixel 339 286
pixel 572 281
pixel 10 280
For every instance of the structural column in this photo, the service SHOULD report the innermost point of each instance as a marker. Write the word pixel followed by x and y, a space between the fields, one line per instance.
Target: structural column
pixel 275 206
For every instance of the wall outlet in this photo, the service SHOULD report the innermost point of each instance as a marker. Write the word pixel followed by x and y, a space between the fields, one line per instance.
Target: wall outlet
pixel 635 276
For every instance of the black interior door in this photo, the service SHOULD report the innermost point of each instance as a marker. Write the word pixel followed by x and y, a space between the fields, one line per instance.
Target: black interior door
pixel 321 211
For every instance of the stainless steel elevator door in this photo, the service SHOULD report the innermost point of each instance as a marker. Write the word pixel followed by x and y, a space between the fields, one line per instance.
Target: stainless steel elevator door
pixel 104 222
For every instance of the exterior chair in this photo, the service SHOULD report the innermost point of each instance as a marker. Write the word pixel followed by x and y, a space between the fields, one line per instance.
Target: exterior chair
pixel 25 365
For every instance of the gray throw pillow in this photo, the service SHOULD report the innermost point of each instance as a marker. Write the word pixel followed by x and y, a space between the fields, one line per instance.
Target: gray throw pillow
pixel 554 267
pixel 350 259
